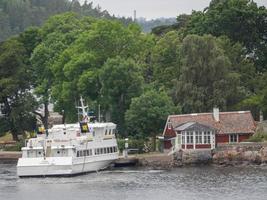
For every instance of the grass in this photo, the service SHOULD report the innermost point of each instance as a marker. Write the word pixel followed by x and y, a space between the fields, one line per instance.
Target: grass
pixel 6 138
pixel 11 147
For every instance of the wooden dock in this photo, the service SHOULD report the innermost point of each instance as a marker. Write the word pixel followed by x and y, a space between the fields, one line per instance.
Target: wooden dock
pixel 10 155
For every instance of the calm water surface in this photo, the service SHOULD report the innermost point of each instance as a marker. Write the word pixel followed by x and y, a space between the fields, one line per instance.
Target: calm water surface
pixel 198 183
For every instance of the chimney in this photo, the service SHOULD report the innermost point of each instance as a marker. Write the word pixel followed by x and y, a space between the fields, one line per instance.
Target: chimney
pixel 216 114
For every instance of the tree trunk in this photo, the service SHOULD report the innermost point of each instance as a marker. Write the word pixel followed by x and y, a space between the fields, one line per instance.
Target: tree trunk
pixel 14 132
pixel 46 115
pixel 154 143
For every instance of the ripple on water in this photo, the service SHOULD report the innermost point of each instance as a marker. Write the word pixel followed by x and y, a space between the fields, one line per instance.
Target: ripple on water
pixel 135 183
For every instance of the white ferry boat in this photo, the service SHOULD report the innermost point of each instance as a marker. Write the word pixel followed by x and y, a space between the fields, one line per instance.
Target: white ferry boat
pixel 69 149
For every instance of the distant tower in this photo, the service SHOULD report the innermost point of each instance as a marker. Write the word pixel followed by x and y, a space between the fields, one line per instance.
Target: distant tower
pixel 134 15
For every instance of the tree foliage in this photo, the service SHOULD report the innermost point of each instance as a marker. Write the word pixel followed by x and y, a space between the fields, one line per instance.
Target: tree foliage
pixel 18 103
pixel 148 113
pixel 215 57
pixel 18 15
pixel 121 80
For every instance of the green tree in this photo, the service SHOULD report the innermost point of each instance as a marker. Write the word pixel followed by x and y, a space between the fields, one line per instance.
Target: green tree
pixel 121 80
pixel 166 59
pixel 56 35
pixel 240 20
pixel 15 82
pixel 148 113
pixel 77 68
pixel 205 79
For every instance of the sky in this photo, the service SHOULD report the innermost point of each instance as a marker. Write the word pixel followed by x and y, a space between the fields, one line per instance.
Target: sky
pixel 151 9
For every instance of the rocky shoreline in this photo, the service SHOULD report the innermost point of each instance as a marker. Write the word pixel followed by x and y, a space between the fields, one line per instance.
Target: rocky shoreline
pixel 241 154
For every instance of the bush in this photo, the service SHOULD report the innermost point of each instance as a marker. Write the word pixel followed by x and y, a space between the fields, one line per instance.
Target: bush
pixel 133 144
pixel 15 147
pixel 258 137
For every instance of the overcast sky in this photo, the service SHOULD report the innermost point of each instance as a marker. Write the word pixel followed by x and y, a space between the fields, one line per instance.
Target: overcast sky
pixel 154 8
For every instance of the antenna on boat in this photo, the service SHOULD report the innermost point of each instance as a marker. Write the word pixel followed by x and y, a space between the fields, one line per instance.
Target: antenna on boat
pixel 99 114
pixel 83 108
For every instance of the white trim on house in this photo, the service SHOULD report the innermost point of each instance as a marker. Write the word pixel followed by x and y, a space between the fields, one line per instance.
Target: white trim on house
pixel 237 138
pixel 206 138
pixel 168 121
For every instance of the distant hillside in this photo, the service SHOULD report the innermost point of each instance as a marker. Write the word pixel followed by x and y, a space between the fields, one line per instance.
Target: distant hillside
pixel 17 15
pixel 148 25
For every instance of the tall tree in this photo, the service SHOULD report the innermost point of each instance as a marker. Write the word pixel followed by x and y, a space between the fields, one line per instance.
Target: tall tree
pixel 148 113
pixel 166 59
pixel 15 85
pixel 121 80
pixel 205 77
pixel 77 68
pixel 56 35
pixel 240 20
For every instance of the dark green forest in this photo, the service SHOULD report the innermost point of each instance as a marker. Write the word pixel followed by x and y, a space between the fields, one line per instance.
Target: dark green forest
pixel 215 57
pixel 17 15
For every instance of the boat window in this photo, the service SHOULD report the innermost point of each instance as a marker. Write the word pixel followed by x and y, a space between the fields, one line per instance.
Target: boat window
pixel 78 153
pixel 106 132
pixel 105 150
pixel 109 131
pixel 108 150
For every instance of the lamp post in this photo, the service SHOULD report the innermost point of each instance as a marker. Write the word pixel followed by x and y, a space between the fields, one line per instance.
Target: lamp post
pixel 126 148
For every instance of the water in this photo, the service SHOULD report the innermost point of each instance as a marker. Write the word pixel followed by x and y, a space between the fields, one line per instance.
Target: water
pixel 194 183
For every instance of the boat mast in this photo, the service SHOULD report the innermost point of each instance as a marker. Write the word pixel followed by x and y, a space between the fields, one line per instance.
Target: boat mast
pixel 99 116
pixel 83 108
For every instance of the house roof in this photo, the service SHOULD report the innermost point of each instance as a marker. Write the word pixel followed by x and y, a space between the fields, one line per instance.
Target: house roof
pixel 192 126
pixel 229 122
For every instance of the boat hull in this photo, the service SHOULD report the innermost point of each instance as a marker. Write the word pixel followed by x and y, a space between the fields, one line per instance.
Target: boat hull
pixel 60 166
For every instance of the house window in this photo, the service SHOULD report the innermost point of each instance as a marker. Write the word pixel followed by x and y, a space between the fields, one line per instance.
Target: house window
pixel 190 137
pixel 233 138
pixel 198 137
pixel 206 137
pixel 169 125
pixel 183 140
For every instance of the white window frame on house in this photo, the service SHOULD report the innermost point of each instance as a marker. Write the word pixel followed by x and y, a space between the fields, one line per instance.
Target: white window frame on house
pixel 190 137
pixel 199 137
pixel 207 139
pixel 169 125
pixel 233 138
pixel 183 138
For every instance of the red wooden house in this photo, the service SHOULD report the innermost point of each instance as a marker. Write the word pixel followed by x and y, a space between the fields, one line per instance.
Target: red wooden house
pixel 206 130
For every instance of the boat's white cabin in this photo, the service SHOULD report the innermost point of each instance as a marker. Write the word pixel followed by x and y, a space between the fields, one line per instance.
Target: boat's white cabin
pixel 73 140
